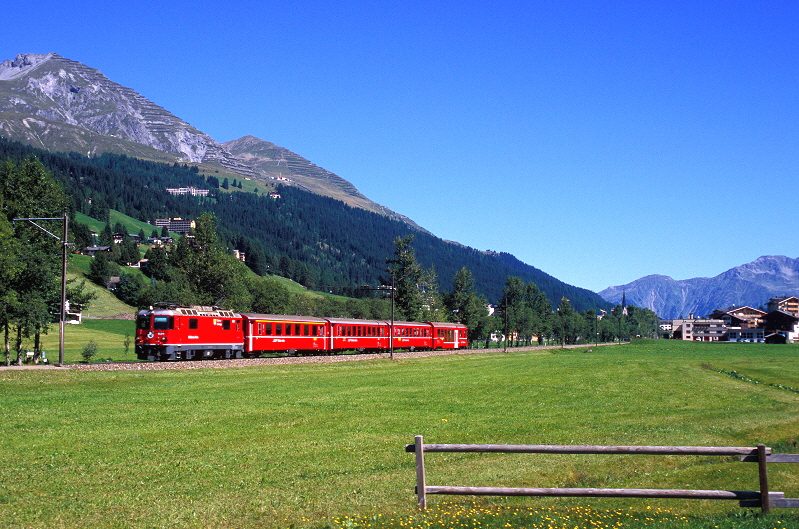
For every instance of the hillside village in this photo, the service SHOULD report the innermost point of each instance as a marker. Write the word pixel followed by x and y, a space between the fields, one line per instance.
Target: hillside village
pixel 779 323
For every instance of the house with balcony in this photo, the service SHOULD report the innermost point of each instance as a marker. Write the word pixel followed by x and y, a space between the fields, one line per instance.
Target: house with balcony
pixel 699 329
pixel 786 304
pixel 781 327
pixel 744 324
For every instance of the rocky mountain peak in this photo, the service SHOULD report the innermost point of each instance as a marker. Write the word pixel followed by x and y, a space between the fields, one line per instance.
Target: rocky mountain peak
pixel 56 103
pixel 60 90
pixel 749 284
pixel 21 65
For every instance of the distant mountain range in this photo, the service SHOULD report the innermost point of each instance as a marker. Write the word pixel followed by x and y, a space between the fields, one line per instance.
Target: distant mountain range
pixel 750 284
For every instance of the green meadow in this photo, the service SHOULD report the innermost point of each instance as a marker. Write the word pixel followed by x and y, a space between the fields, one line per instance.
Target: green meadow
pixel 322 445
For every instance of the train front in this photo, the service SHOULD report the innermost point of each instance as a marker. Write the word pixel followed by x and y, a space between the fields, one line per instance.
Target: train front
pixel 153 329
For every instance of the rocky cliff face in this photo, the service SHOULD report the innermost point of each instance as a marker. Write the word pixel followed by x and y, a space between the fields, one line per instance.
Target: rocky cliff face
pixel 750 284
pixel 61 91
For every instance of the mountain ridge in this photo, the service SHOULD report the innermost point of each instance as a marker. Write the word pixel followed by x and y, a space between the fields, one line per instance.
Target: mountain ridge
pixel 749 284
pixel 52 102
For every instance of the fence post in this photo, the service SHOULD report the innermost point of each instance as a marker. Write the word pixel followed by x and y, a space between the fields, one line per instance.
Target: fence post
pixel 420 481
pixel 763 474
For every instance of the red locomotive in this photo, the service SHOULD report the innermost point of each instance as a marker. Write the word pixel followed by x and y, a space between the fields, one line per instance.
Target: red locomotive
pixel 176 332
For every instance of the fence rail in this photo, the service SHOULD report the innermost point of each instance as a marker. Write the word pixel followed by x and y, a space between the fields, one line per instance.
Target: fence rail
pixel 761 454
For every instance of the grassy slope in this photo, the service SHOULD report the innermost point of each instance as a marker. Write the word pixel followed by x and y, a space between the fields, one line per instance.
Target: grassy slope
pixel 105 305
pixel 134 226
pixel 282 445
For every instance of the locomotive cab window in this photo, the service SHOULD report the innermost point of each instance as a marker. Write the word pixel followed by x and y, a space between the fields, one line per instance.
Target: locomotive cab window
pixel 143 322
pixel 193 323
pixel 163 323
pixel 226 325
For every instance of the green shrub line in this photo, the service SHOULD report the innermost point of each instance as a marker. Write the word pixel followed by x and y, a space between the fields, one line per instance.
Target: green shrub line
pixel 738 376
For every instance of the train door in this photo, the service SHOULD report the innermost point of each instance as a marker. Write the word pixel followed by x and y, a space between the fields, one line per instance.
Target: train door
pixel 457 341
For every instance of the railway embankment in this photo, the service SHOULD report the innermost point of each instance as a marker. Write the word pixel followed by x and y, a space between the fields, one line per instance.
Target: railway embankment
pixel 320 359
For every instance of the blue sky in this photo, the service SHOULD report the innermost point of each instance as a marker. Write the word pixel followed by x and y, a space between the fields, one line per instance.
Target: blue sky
pixel 598 141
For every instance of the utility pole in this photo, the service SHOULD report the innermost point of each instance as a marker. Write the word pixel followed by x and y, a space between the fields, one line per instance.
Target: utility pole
pixel 64 243
pixel 391 327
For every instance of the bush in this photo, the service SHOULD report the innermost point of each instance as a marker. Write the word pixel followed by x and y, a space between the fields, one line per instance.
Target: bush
pixel 89 350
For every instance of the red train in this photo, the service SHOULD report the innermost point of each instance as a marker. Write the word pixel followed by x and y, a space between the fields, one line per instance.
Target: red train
pixel 178 332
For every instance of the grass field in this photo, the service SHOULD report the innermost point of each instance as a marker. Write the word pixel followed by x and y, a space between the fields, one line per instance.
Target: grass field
pixel 108 334
pixel 322 445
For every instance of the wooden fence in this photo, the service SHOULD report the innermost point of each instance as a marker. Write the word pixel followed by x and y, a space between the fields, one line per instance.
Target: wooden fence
pixel 762 498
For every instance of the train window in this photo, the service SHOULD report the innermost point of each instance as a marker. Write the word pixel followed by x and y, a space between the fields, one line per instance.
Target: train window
pixel 269 329
pixel 143 322
pixel 305 330
pixel 162 323
pixel 296 329
pixel 226 325
pixel 193 323
pixel 288 329
pixel 278 329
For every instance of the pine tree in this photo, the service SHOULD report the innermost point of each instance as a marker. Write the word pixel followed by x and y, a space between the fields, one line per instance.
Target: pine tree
pixel 406 273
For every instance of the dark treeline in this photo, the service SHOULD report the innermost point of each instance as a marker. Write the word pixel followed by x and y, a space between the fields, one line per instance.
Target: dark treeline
pixel 317 241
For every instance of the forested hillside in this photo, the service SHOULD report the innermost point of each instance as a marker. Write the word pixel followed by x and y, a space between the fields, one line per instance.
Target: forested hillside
pixel 317 241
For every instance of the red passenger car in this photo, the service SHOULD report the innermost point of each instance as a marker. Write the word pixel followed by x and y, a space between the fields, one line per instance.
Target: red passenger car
pixel 413 335
pixel 450 335
pixel 174 332
pixel 358 335
pixel 269 333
